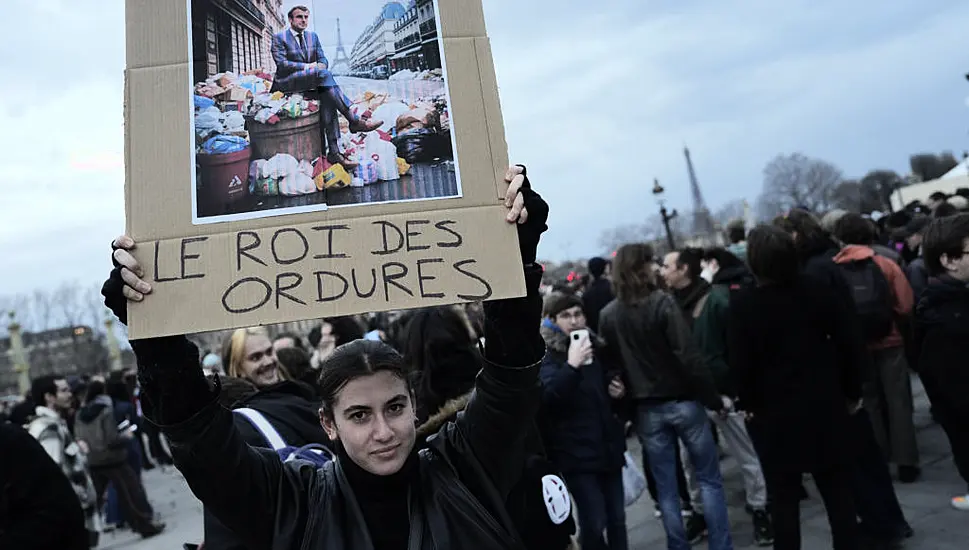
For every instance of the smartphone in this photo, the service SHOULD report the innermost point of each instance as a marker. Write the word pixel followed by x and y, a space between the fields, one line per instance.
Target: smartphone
pixel 578 337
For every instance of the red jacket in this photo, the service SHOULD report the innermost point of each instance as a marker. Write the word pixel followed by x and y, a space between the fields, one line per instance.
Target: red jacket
pixel 902 297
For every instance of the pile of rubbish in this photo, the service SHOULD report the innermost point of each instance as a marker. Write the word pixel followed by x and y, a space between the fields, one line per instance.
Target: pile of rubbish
pixel 407 74
pixel 410 133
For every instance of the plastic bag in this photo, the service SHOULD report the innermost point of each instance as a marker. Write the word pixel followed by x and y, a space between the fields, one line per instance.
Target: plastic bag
pixel 202 102
pixel 366 170
pixel 389 113
pixel 423 145
pixel 208 121
pixel 633 480
pixel 234 122
pixel 258 183
pixel 224 144
pixel 281 166
pixel 297 184
pixel 383 154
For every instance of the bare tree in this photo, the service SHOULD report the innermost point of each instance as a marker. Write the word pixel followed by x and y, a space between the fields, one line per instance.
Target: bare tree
pixel 733 210
pixel 650 232
pixel 928 166
pixel 797 180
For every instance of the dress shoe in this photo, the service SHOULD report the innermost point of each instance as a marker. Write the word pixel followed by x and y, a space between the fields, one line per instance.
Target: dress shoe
pixel 359 125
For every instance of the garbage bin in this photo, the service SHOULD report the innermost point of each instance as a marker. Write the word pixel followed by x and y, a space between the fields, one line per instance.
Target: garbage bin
pixel 223 180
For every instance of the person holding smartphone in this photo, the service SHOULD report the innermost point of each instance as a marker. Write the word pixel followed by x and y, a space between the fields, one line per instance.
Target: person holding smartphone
pixel 583 436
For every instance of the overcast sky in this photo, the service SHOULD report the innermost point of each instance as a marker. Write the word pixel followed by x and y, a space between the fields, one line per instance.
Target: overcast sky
pixel 598 98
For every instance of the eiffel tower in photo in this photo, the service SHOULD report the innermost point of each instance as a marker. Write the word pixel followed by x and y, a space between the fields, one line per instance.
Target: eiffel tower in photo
pixel 341 61
pixel 702 220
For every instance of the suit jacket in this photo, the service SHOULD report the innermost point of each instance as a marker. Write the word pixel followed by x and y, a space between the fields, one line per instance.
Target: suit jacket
pixel 290 58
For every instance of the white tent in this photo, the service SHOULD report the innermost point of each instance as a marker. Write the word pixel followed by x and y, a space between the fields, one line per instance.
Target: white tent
pixel 957 178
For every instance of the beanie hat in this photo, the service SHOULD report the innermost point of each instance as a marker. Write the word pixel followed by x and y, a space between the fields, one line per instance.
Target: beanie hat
pixel 557 302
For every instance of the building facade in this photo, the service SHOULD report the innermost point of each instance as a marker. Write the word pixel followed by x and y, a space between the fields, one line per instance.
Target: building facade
pixel 416 39
pixel 234 35
pixel 68 351
pixel 375 45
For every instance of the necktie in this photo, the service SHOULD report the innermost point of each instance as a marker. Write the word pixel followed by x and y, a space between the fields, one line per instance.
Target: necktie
pixel 302 44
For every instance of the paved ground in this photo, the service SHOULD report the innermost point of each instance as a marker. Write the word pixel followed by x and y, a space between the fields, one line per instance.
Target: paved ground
pixel 937 525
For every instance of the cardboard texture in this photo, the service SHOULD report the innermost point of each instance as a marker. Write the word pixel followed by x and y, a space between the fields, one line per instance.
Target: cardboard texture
pixel 160 163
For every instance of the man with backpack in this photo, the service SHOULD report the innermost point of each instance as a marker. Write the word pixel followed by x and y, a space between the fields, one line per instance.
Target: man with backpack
pixel 883 298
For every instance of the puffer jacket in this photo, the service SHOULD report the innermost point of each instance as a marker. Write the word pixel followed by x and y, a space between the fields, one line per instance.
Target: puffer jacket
pixel 95 425
pixel 464 475
pixel 652 340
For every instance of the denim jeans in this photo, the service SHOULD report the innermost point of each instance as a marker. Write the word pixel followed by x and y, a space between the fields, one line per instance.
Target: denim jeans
pixel 601 505
pixel 661 426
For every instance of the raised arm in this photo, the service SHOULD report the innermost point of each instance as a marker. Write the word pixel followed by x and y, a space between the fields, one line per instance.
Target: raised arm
pixel 242 487
pixel 507 393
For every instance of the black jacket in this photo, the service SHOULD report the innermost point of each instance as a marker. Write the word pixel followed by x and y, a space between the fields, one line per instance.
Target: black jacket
pixel 795 351
pixel 465 474
pixel 595 299
pixel 941 341
pixel 38 507
pixel 292 408
pixel 652 341
pixel 580 430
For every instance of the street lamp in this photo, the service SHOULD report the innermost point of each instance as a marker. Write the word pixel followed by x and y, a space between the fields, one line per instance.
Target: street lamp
pixel 666 215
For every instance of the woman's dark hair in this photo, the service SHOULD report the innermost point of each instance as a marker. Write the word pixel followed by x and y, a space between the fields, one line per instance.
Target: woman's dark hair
pixel 736 231
pixel 811 237
pixel 725 259
pixel 852 228
pixel 94 389
pixel 354 360
pixel 344 330
pixel 944 236
pixel 297 341
pixel 439 350
pixel 772 255
pixel 633 275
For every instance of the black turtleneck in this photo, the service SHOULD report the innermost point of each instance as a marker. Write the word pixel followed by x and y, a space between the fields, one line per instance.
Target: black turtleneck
pixel 383 500
pixel 688 296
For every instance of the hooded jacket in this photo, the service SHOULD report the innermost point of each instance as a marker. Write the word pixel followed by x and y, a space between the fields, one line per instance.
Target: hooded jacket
pixel 652 340
pixel 95 424
pixel 902 297
pixel 457 499
pixel 580 430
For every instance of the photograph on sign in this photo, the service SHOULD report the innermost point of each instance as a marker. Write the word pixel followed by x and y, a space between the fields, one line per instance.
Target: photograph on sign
pixel 304 105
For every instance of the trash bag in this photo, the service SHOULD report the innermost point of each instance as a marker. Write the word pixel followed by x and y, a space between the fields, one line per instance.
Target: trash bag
pixel 224 144
pixel 366 170
pixel 297 184
pixel 633 481
pixel 260 184
pixel 383 154
pixel 423 145
pixel 234 122
pixel 209 121
pixel 281 166
pixel 202 102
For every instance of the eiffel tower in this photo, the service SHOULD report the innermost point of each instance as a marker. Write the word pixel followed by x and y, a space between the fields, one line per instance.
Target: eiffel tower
pixel 341 61
pixel 702 221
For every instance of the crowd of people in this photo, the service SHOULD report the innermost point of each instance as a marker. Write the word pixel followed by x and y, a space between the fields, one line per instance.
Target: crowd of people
pixel 504 425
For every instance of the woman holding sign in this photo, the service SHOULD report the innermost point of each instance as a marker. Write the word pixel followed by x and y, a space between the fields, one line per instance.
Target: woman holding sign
pixel 380 493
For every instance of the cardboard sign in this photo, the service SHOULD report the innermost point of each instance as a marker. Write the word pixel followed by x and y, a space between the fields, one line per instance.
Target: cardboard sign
pixel 298 159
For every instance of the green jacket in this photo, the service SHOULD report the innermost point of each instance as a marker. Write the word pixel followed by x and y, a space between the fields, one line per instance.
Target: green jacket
pixel 710 335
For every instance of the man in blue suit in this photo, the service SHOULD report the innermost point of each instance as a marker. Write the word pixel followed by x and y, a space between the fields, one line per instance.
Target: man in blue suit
pixel 301 66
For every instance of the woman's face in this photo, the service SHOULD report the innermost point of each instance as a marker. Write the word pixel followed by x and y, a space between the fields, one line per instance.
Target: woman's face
pixel 259 361
pixel 374 419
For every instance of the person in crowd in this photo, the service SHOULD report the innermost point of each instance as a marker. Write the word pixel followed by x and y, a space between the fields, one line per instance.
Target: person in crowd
pixel 124 414
pixel 288 340
pixel 22 413
pixel 882 297
pixel 944 209
pixel 936 200
pixel 646 332
pixel 583 436
pixel 941 336
pixel 296 361
pixel 301 66
pixel 331 334
pixel 380 492
pixel 49 427
pixel 108 455
pixel 793 351
pixel 38 506
pixel 443 351
pixel 598 293
pixel 877 504
pixel 280 395
pixel 915 271
pixel 737 235
pixel 706 308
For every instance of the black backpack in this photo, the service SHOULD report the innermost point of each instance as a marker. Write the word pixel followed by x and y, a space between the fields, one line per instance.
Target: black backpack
pixel 872 296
